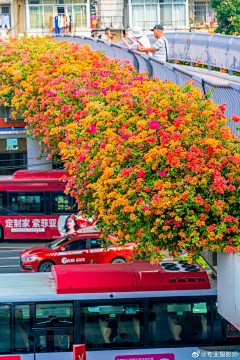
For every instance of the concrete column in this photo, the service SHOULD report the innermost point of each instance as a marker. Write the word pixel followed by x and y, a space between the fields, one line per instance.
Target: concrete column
pixel 33 150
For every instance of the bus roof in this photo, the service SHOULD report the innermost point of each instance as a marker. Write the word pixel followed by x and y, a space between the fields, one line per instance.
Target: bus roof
pixel 103 281
pixel 38 174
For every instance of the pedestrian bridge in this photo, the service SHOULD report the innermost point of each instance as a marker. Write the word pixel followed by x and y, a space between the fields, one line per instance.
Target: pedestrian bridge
pixel 213 50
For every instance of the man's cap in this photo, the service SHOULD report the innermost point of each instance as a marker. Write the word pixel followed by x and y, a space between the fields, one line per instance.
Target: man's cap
pixel 159 27
pixel 107 29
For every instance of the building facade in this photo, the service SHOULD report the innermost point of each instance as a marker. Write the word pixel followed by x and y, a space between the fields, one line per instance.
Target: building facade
pixel 17 151
pixel 83 17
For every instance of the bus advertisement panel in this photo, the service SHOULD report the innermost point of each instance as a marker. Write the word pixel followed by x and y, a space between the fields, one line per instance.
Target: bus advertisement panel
pixel 33 205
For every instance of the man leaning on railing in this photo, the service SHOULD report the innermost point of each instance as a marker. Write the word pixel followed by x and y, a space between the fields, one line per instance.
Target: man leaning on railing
pixel 160 48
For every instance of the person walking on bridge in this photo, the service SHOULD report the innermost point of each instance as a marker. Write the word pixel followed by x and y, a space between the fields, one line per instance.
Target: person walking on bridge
pixel 160 48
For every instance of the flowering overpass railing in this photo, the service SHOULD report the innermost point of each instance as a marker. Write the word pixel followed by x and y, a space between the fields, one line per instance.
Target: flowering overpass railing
pixel 219 93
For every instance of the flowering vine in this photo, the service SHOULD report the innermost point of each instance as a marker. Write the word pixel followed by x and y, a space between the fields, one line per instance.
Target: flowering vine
pixel 153 161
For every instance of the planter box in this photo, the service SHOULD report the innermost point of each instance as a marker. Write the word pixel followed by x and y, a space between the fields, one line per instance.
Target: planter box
pixel 228 287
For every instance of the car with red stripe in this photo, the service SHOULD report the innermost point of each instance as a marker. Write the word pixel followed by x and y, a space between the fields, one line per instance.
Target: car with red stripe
pixel 77 248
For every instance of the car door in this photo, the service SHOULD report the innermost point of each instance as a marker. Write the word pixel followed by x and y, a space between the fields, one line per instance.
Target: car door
pixel 75 252
pixel 98 254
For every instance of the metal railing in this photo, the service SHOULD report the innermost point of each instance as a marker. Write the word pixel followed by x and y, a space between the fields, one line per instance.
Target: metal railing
pixel 227 93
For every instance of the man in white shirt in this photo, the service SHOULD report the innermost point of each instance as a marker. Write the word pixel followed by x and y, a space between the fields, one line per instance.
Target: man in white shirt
pixel 160 48
pixel 140 39
pixel 107 36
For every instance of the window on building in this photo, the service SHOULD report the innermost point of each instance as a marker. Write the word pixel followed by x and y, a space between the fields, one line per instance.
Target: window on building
pixel 26 202
pixel 36 16
pixel 147 13
pixel 118 325
pixel 22 329
pixel 203 13
pixel 54 315
pixel 5 329
pixel 62 203
pixel 80 15
pixel 180 323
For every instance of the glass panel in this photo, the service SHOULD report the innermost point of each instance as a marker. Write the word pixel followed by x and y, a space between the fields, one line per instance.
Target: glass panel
pixel 62 203
pixel 80 15
pixel 224 332
pixel 137 1
pixel 36 17
pixel 3 202
pixel 177 324
pixel 79 244
pixel 118 325
pixel 34 2
pixel 49 2
pixel 55 244
pixel 179 15
pixel 166 15
pixel 151 1
pixel 24 202
pixel 69 9
pixel 22 333
pixel 151 14
pixel 54 340
pixel 51 315
pixel 138 15
pixel 48 11
pixel 79 1
pixel 5 321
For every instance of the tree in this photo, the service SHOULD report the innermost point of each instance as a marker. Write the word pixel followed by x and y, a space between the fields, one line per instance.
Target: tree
pixel 228 15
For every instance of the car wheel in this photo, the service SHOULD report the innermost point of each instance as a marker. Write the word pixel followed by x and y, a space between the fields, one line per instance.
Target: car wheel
pixel 118 260
pixel 1 234
pixel 45 266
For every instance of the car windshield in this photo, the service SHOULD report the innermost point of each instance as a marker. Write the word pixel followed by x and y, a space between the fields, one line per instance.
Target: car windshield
pixel 55 244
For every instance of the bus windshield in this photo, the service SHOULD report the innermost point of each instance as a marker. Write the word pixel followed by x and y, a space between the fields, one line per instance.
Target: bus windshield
pixel 55 244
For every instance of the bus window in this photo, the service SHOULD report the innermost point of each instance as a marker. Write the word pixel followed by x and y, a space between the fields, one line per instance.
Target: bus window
pixel 62 203
pixel 51 315
pixel 3 202
pixel 54 340
pixel 26 202
pixel 117 325
pixel 224 332
pixel 22 329
pixel 5 332
pixel 183 323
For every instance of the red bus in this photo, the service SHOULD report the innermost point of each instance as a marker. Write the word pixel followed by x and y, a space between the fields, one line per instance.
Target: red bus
pixel 33 206
pixel 120 312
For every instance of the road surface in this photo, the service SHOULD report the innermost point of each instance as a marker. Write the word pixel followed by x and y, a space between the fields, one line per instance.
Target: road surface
pixel 10 251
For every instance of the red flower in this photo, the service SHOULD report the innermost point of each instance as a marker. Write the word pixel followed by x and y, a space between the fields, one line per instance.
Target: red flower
pixel 229 249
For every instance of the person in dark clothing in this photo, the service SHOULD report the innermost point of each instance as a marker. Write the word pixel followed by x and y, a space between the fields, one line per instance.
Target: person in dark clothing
pixel 113 325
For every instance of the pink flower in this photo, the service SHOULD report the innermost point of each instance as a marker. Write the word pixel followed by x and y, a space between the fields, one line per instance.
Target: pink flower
pixel 92 129
pixel 165 222
pixel 148 111
pixel 141 174
pixel 145 208
pixel 162 173
pixel 176 224
pixel 154 124
pixel 72 216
